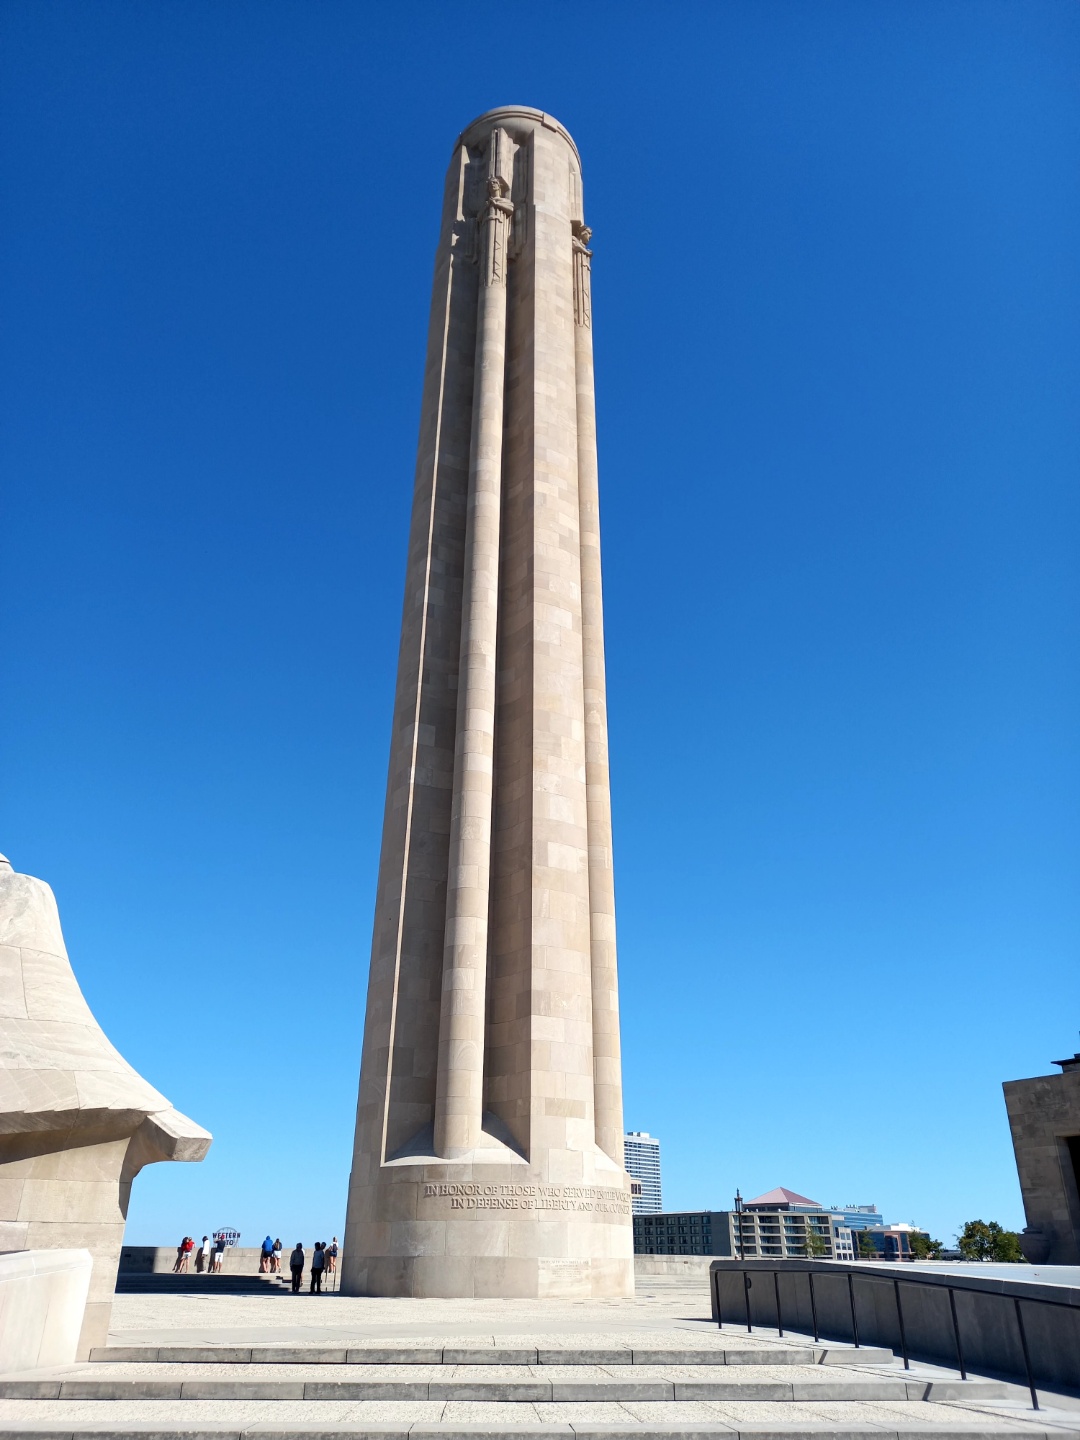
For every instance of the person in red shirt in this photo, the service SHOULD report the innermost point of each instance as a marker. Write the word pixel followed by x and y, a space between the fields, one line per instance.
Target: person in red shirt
pixel 183 1252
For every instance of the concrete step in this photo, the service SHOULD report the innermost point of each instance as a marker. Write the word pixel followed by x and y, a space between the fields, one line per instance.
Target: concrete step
pixel 531 1385
pixel 128 1283
pixel 581 1430
pixel 482 1355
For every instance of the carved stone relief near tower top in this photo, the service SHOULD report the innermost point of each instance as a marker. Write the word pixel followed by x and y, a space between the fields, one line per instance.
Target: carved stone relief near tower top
pixel 582 274
pixel 496 230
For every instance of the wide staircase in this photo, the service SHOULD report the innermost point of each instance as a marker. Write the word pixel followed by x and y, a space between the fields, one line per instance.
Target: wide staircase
pixel 133 1282
pixel 716 1384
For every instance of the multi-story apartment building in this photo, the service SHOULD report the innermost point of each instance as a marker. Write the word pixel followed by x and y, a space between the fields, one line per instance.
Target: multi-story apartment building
pixel 780 1225
pixel 695 1232
pixel 741 1234
pixel 642 1160
pixel 786 1224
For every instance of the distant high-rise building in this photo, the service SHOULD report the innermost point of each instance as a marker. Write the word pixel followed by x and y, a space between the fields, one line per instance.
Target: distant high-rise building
pixel 642 1152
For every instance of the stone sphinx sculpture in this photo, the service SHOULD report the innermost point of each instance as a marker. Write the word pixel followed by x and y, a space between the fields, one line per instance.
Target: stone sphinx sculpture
pixel 77 1123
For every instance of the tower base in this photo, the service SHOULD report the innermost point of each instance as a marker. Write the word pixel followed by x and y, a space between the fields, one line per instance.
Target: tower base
pixel 489 1228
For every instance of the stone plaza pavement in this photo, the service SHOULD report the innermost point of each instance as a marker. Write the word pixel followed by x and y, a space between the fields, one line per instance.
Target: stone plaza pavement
pixel 274 1364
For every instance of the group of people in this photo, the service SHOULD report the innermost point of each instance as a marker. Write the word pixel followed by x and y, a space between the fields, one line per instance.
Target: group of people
pixel 324 1260
pixel 208 1257
pixel 211 1253
pixel 270 1258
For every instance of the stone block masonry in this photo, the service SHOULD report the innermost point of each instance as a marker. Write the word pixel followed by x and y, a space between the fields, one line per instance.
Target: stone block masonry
pixel 1044 1117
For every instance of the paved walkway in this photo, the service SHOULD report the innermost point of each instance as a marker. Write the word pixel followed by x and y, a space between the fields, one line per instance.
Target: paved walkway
pixel 220 1366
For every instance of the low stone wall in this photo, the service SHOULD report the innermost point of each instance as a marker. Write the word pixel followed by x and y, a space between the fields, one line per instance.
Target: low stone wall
pixel 692 1267
pixel 42 1304
pixel 160 1259
pixel 244 1260
pixel 990 1334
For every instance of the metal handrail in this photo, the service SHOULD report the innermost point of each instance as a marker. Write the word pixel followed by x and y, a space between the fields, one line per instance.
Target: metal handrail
pixel 897 1281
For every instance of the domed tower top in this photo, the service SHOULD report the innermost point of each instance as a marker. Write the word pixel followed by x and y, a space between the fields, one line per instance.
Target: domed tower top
pixel 518 120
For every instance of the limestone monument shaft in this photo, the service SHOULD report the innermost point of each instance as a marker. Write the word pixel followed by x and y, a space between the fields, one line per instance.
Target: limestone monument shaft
pixel 488 1154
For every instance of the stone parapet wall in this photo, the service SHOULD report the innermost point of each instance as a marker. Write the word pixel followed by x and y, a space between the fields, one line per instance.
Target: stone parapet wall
pixel 42 1305
pixel 244 1260
pixel 160 1259
pixel 689 1266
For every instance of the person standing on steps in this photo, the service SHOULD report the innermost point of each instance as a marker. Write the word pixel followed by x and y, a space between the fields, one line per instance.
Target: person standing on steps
pixel 267 1255
pixel 202 1256
pixel 218 1255
pixel 318 1261
pixel 331 1257
pixel 296 1267
pixel 275 1258
pixel 183 1252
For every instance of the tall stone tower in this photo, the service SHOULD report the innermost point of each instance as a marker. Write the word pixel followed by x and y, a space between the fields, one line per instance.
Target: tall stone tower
pixel 488 1154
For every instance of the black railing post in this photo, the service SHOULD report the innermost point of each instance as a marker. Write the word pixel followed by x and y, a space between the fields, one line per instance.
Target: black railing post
pixel 900 1320
pixel 1027 1357
pixel 851 1298
pixel 956 1334
pixel 813 1306
pixel 776 1288
pixel 746 1298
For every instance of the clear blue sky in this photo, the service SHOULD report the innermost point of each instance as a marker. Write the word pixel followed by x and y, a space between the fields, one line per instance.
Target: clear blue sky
pixel 837 355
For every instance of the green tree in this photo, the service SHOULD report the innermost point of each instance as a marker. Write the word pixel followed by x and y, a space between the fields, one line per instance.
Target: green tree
pixel 986 1240
pixel 1007 1248
pixel 976 1242
pixel 923 1248
pixel 814 1244
pixel 867 1249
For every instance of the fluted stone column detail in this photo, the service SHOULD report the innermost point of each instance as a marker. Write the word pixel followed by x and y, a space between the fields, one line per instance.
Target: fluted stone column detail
pixel 459 1095
pixel 607 1060
pixel 488 1154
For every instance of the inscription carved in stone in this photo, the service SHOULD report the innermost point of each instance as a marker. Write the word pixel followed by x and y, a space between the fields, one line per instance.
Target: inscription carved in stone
pixel 473 1195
